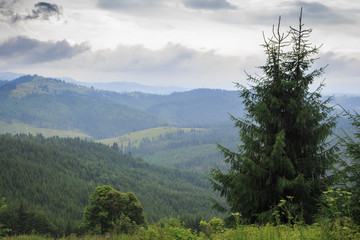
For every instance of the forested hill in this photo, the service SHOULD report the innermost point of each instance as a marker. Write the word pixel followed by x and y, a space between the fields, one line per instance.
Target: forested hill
pixel 199 107
pixel 37 102
pixel 54 104
pixel 57 175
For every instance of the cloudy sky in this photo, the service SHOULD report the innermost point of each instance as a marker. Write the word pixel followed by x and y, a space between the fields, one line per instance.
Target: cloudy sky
pixel 185 43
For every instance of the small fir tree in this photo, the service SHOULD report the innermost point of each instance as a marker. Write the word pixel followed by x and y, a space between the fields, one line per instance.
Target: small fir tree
pixel 283 150
pixel 349 171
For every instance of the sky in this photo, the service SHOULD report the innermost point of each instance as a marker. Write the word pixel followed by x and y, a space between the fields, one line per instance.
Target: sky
pixel 184 43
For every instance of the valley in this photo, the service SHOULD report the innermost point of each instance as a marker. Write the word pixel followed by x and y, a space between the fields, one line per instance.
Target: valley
pixel 59 138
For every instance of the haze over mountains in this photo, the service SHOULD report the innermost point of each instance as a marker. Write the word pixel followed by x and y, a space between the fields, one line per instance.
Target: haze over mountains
pixel 55 104
pixel 120 87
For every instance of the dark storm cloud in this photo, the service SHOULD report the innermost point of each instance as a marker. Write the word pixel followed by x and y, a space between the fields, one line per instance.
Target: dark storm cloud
pixel 208 4
pixel 28 51
pixel 42 11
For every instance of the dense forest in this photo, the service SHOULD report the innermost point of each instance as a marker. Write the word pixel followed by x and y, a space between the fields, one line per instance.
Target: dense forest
pixel 55 176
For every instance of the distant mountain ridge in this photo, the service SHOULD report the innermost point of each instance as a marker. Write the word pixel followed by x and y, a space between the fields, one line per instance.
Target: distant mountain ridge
pixel 120 87
pixel 55 104
pixel 50 103
pixel 128 87
pixel 8 76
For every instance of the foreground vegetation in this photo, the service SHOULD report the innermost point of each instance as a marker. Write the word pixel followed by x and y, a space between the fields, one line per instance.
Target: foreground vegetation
pixel 172 229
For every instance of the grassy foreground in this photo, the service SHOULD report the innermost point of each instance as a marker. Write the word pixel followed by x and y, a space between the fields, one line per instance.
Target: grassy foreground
pixel 248 232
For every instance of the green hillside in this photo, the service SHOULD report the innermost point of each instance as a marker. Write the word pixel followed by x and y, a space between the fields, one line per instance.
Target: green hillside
pixel 135 121
pixel 196 108
pixel 135 139
pixel 48 103
pixel 56 176
pixel 191 149
pixel 15 128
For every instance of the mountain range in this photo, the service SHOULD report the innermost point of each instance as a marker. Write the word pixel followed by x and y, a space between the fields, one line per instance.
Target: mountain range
pixel 54 104
pixel 175 135
pixel 120 87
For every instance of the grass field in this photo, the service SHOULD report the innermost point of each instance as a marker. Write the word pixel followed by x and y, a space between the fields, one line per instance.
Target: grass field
pixel 14 128
pixel 152 134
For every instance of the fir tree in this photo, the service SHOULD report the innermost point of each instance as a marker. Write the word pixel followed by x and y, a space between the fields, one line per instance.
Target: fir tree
pixel 349 171
pixel 284 150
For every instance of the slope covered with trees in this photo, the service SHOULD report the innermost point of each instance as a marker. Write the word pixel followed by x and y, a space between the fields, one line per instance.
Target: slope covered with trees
pixel 54 104
pixel 37 104
pixel 195 108
pixel 56 176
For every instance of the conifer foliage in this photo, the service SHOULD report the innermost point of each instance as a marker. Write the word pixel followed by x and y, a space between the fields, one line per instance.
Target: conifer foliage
pixel 284 149
pixel 349 171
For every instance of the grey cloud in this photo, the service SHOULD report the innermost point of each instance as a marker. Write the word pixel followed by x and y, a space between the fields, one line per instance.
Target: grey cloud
pixel 195 4
pixel 324 14
pixel 174 62
pixel 120 4
pixel 42 11
pixel 208 4
pixel 341 63
pixel 140 59
pixel 342 73
pixel 29 51
pixel 314 13
pixel 7 8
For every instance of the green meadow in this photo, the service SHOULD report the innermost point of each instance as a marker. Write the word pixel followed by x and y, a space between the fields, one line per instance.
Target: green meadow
pixel 134 139
pixel 15 128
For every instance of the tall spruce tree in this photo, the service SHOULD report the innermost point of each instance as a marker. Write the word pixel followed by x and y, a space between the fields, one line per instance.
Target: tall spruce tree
pixel 284 149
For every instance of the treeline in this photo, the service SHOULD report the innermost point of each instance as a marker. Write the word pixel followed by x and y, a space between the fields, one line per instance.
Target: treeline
pixel 20 220
pixel 55 176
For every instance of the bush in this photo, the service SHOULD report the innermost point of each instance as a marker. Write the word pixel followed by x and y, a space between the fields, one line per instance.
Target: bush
pixel 110 210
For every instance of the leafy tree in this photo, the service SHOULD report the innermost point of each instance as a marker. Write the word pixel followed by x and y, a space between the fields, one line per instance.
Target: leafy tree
pixel 284 149
pixel 3 230
pixel 107 207
pixel 350 168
